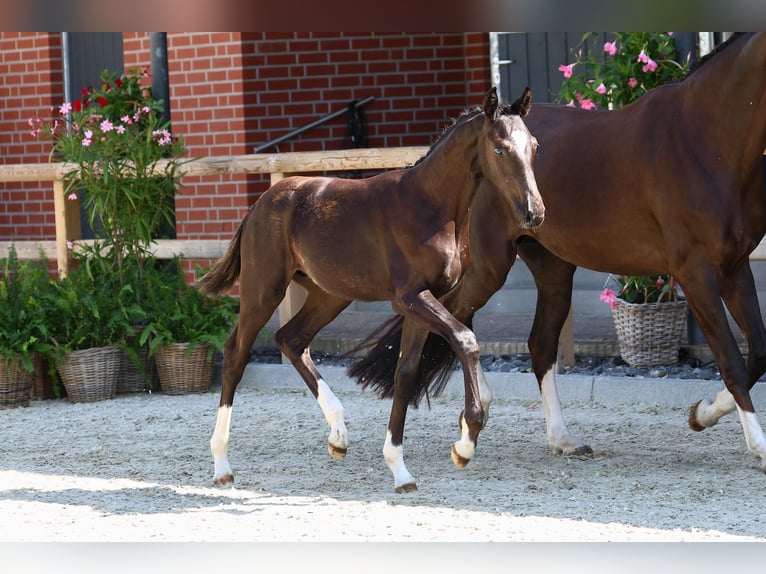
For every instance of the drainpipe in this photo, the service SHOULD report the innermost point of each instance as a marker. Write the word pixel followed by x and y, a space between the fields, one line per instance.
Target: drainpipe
pixel 160 84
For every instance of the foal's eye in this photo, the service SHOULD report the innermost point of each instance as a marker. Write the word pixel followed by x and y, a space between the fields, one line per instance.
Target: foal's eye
pixel 498 151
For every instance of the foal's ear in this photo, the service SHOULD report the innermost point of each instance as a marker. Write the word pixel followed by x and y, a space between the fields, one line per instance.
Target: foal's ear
pixel 490 103
pixel 522 106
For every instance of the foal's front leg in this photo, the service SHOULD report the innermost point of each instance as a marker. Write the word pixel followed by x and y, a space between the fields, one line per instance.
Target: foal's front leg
pixel 427 310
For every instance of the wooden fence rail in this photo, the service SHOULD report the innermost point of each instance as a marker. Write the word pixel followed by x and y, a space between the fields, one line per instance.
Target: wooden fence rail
pixel 277 165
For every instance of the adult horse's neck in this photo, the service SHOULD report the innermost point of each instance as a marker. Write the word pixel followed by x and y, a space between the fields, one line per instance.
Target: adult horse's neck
pixel 727 94
pixel 449 175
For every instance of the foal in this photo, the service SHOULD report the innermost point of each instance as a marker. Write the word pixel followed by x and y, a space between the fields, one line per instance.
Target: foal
pixel 399 236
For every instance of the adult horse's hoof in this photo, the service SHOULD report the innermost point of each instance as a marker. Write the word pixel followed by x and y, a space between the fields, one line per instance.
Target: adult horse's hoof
pixel 406 487
pixel 336 452
pixel 459 460
pixel 694 424
pixel 224 480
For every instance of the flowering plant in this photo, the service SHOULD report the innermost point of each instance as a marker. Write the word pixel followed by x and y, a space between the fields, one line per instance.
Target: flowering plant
pixel 641 289
pixel 628 67
pixel 114 135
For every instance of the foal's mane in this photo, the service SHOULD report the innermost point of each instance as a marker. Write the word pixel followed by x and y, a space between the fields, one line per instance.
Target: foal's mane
pixel 467 114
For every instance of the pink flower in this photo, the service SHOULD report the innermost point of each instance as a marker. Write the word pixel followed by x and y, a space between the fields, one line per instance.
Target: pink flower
pixel 72 196
pixel 120 129
pixel 601 88
pixel 106 126
pixel 69 245
pixel 649 64
pixel 571 104
pixel 65 108
pixel 587 104
pixel 608 296
pixel 610 48
pixel 126 120
pixel 567 70
pixel 162 136
pixel 87 140
pixel 632 82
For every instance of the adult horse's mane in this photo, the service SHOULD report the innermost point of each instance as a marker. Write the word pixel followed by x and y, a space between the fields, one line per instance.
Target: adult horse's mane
pixel 714 52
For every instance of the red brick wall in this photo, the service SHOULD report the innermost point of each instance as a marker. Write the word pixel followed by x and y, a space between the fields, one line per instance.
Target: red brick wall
pixel 231 92
pixel 30 83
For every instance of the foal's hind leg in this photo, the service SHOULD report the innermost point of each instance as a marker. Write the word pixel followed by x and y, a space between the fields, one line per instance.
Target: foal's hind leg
pixel 294 338
pixel 553 278
pixel 236 355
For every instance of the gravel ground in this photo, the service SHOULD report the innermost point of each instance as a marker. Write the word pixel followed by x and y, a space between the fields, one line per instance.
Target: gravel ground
pixel 138 468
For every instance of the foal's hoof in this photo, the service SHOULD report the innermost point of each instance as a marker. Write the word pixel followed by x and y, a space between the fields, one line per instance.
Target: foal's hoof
pixel 336 452
pixel 694 424
pixel 581 450
pixel 459 460
pixel 224 480
pixel 406 487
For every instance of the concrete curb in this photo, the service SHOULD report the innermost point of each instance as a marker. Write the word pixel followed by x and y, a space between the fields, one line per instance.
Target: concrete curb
pixel 606 391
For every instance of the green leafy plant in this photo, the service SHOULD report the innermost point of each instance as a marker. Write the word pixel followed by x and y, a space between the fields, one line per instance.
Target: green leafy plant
pixel 90 307
pixel 188 316
pixel 628 66
pixel 24 321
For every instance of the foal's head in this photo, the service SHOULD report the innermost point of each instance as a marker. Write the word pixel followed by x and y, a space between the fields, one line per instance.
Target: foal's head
pixel 507 155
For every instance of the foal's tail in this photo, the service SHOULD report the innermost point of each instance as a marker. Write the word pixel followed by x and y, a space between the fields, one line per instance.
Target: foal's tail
pixel 226 271
pixel 377 367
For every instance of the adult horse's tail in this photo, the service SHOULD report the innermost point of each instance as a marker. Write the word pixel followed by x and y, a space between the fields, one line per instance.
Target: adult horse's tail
pixel 226 271
pixel 376 368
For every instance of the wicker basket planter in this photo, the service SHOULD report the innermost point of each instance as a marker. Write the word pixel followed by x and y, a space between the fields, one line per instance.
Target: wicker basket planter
pixel 15 384
pixel 90 375
pixel 181 372
pixel 132 379
pixel 649 333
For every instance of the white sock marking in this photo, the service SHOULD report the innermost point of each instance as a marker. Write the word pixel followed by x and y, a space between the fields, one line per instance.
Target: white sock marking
pixel 219 442
pixel 333 412
pixel 394 456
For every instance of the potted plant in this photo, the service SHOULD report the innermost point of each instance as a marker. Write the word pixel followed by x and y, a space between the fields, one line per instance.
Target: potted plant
pixel 92 315
pixel 622 70
pixel 113 136
pixel 186 336
pixel 649 317
pixel 23 326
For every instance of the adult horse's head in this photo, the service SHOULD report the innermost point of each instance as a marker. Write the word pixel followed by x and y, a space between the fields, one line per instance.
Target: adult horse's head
pixel 507 155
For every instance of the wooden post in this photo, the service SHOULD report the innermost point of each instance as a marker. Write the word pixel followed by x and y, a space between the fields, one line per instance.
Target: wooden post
pixel 295 296
pixel 67 214
pixel 566 356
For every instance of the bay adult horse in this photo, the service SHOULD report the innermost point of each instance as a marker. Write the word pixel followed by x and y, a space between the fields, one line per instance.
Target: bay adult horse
pixel 672 183
pixel 399 236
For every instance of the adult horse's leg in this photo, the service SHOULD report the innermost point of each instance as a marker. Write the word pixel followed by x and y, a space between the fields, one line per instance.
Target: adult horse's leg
pixel 741 299
pixel 294 338
pixel 553 278
pixel 701 287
